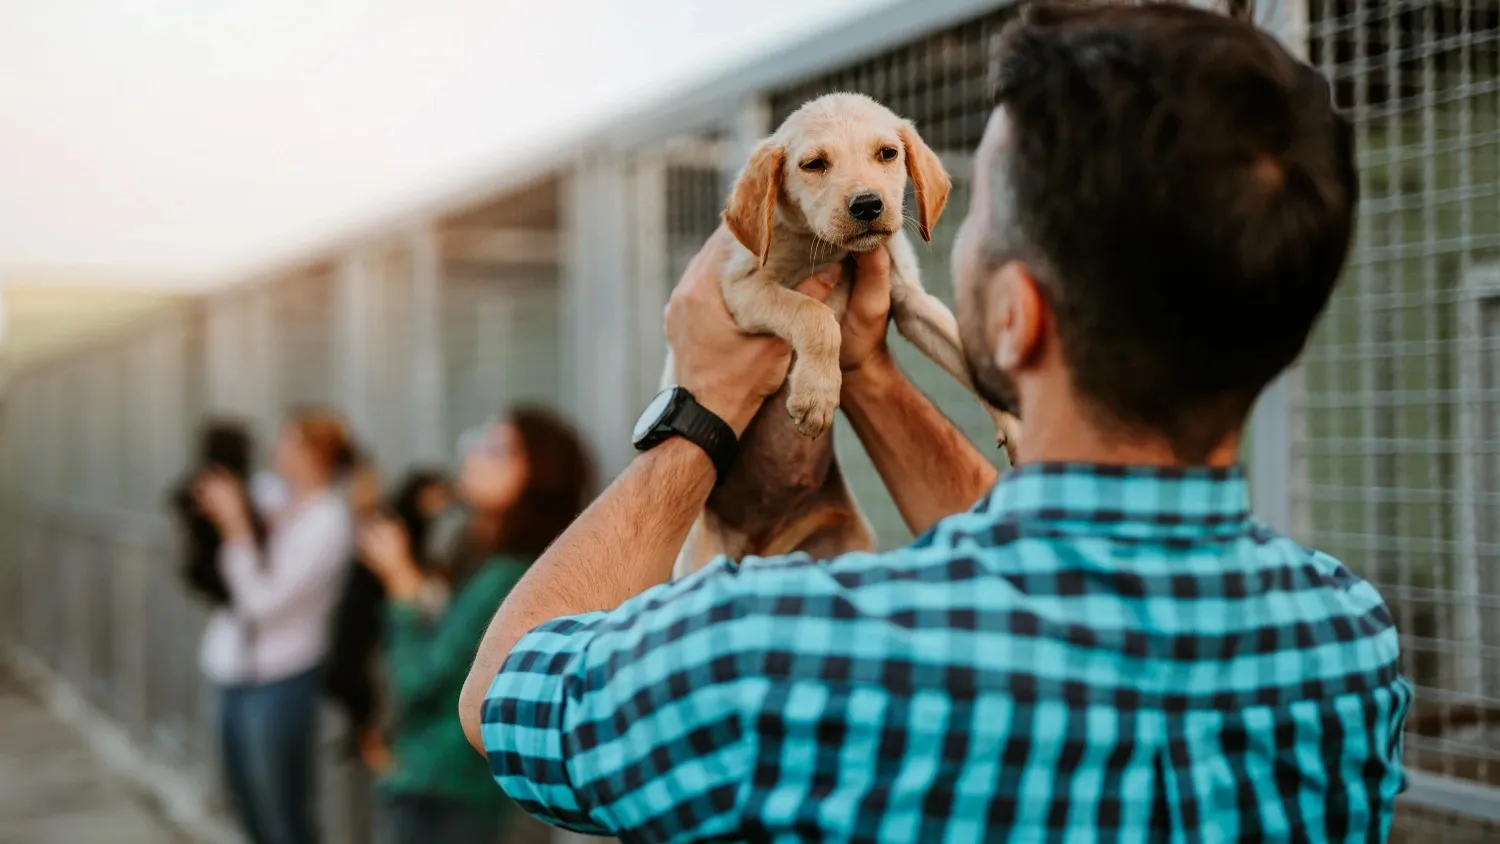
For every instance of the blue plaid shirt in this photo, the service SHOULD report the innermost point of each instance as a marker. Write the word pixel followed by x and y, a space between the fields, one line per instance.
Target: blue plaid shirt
pixel 1091 653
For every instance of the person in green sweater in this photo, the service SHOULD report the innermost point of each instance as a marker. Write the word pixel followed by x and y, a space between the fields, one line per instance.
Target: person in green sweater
pixel 523 479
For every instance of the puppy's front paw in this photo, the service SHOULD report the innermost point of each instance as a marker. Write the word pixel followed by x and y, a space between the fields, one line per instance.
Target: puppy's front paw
pixel 812 402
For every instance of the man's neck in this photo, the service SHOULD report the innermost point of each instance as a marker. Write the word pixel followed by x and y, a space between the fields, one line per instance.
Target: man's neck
pixel 1061 431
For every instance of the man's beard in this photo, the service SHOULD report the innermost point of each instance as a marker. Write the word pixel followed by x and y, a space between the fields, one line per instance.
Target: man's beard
pixel 990 383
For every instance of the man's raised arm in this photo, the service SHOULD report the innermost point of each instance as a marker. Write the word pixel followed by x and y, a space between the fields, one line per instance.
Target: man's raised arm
pixel 930 467
pixel 626 542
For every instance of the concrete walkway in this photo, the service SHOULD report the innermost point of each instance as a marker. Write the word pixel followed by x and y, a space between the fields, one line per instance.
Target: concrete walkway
pixel 54 790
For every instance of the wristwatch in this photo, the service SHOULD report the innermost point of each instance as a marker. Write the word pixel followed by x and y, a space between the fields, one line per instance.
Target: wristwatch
pixel 675 413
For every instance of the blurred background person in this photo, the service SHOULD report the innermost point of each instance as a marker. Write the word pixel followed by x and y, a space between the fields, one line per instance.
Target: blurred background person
pixel 351 677
pixel 523 479
pixel 264 649
pixel 224 446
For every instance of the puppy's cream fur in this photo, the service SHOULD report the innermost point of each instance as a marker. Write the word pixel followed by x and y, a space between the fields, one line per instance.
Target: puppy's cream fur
pixel 789 214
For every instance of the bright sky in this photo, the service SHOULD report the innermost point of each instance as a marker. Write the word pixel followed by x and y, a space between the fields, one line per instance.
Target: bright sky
pixel 197 139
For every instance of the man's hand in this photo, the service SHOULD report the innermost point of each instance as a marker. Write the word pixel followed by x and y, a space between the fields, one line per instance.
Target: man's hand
pixel 729 372
pixel 865 324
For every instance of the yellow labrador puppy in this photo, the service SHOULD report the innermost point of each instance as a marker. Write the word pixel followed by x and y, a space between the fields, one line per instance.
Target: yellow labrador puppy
pixel 829 182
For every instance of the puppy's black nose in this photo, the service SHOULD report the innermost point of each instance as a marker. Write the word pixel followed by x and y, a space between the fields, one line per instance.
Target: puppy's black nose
pixel 866 207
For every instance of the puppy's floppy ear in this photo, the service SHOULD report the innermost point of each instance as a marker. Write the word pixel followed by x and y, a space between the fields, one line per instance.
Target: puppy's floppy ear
pixel 928 178
pixel 751 211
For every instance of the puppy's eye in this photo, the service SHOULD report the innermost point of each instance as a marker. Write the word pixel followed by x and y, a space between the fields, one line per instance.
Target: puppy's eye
pixel 888 153
pixel 815 165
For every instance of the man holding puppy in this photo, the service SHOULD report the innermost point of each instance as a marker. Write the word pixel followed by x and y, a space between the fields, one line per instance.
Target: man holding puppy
pixel 1106 645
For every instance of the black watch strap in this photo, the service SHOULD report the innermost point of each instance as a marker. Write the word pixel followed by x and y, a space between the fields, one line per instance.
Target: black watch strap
pixel 702 427
pixel 675 413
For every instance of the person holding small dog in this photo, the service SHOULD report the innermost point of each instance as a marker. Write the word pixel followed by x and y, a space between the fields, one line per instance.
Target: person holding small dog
pixel 224 450
pixel 264 648
pixel 1102 644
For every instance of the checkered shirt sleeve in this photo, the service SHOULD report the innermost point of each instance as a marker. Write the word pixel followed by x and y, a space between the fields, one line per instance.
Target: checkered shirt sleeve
pixel 632 720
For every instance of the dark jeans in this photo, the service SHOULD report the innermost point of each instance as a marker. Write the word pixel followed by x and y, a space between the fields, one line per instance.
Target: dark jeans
pixel 414 819
pixel 268 736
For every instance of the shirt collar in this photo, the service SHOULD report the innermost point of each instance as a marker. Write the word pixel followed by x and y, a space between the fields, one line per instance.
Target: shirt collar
pixel 1137 501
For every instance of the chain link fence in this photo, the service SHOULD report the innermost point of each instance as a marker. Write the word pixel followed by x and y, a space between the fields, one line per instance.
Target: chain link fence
pixel 1399 444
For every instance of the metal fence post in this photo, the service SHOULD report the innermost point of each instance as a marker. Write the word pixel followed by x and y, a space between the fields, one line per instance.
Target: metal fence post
pixel 427 344
pixel 1480 295
pixel 751 123
pixel 648 236
pixel 598 286
pixel 352 352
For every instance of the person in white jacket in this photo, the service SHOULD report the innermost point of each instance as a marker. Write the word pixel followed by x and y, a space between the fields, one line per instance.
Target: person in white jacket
pixel 264 650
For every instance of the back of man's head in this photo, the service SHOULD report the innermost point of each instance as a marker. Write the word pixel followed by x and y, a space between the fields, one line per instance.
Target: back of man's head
pixel 1183 191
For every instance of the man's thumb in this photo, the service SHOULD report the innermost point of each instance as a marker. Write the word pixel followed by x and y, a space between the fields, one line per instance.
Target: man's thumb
pixel 873 262
pixel 821 283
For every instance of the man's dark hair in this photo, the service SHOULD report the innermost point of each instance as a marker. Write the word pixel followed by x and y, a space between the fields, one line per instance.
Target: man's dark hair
pixel 559 482
pixel 1184 192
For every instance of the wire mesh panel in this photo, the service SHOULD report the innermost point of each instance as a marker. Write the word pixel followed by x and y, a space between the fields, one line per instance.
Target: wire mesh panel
pixel 101 403
pixel 693 184
pixel 696 188
pixel 391 431
pixel 172 683
pixel 502 323
pixel 502 338
pixel 942 84
pixel 134 426
pixel 1401 447
pixel 71 418
pixel 11 598
pixel 1416 825
pixel 101 624
pixel 302 326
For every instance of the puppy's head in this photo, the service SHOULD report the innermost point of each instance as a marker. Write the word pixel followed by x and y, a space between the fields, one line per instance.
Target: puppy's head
pixel 838 167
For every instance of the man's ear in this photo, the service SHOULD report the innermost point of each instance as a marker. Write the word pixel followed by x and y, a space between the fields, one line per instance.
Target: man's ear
pixel 928 178
pixel 1018 317
pixel 750 213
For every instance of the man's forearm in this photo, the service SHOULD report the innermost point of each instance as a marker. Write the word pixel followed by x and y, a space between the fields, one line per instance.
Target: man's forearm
pixel 624 544
pixel 930 467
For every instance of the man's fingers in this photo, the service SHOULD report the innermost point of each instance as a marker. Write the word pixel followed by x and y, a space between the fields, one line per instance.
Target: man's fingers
pixel 874 264
pixel 872 284
pixel 699 263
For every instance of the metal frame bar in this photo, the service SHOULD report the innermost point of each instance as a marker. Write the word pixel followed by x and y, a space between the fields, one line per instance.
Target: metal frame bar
pixel 597 288
pixel 427 385
pixel 1479 287
pixel 1455 797
pixel 649 239
pixel 352 355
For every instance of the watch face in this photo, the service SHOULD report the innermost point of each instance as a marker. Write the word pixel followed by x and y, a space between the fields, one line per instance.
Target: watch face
pixel 654 413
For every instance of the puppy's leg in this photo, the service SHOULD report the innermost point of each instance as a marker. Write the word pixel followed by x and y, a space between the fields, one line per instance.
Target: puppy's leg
pixel 851 532
pixel 697 550
pixel 830 525
pixel 928 324
pixel 762 306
